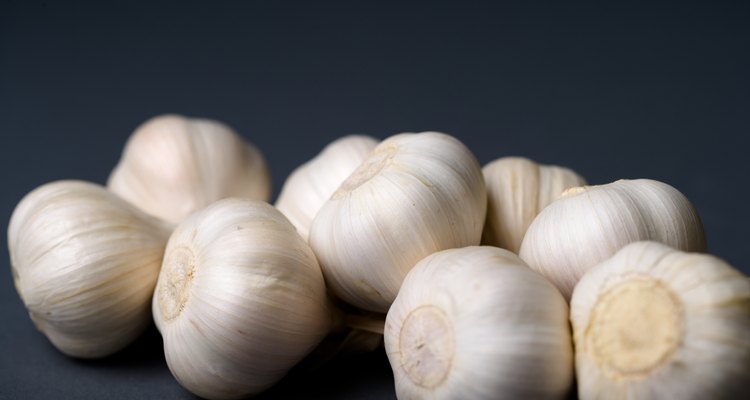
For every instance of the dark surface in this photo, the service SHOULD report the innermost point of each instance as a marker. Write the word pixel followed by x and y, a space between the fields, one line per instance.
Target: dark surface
pixel 621 90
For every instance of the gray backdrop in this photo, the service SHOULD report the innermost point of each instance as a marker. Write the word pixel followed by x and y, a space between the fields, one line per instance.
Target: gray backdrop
pixel 616 90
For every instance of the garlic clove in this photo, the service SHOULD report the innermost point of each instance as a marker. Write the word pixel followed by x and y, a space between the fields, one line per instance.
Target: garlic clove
pixel 85 264
pixel 517 190
pixel 173 166
pixel 653 322
pixel 240 299
pixel 589 224
pixel 309 186
pixel 414 195
pixel 477 323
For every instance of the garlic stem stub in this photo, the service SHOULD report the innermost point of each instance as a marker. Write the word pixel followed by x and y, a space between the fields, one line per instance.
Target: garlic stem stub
pixel 172 166
pixel 309 186
pixel 653 322
pixel 589 224
pixel 517 190
pixel 417 193
pixel 477 323
pixel 240 299
pixel 85 264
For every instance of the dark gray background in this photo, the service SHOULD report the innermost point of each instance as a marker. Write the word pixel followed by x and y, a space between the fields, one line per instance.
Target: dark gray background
pixel 616 90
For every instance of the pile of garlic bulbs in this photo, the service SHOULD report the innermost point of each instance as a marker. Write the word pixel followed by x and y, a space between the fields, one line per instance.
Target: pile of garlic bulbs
pixel 510 281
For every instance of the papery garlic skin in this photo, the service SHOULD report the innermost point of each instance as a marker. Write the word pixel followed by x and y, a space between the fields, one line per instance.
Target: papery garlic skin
pixel 414 195
pixel 653 322
pixel 517 190
pixel 240 299
pixel 172 166
pixel 477 323
pixel 85 264
pixel 309 186
pixel 589 224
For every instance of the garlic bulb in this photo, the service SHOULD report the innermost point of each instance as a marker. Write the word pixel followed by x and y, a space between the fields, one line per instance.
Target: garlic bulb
pixel 85 264
pixel 312 183
pixel 589 224
pixel 656 323
pixel 239 301
pixel 173 166
pixel 414 195
pixel 477 323
pixel 517 190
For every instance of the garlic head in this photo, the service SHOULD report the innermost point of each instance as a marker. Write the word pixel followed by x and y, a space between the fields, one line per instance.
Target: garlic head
pixel 414 195
pixel 239 301
pixel 477 323
pixel 85 264
pixel 653 322
pixel 172 166
pixel 589 224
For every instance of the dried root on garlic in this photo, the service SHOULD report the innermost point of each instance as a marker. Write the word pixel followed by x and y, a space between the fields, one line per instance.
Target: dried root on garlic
pixel 653 322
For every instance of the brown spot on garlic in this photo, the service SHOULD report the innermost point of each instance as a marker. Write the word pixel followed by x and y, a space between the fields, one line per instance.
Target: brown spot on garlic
pixel 367 288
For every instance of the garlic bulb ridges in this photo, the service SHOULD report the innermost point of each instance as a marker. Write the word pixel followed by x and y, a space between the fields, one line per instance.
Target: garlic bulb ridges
pixel 518 189
pixel 414 195
pixel 240 299
pixel 589 224
pixel 311 184
pixel 85 264
pixel 653 322
pixel 477 323
pixel 173 166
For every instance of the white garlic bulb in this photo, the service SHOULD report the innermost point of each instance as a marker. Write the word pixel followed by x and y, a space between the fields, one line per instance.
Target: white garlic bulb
pixel 173 166
pixel 517 190
pixel 309 186
pixel 414 195
pixel 589 224
pixel 239 301
pixel 477 323
pixel 653 322
pixel 85 264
